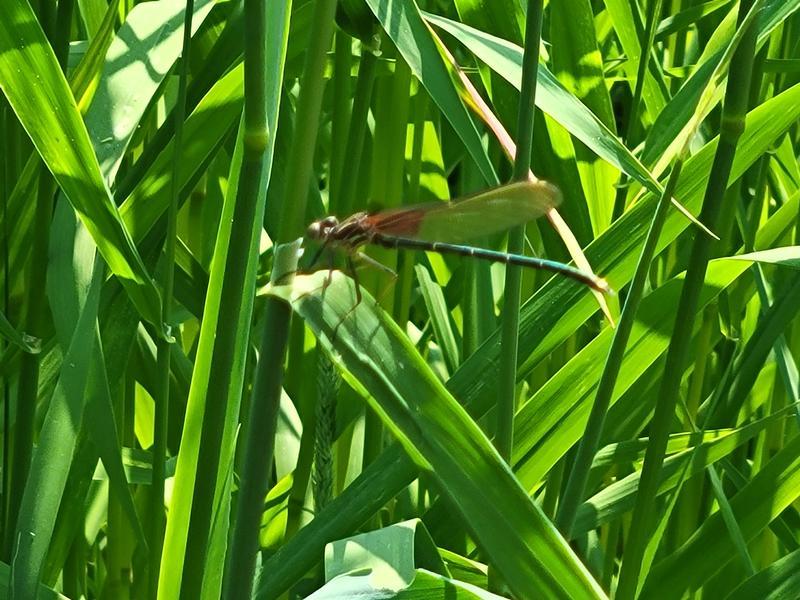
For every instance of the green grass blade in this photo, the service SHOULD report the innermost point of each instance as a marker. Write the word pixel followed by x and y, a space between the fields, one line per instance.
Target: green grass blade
pixel 204 130
pixel 560 307
pixel 754 510
pixel 402 22
pixel 778 580
pixel 50 465
pixel 45 106
pixel 439 316
pixel 151 35
pixel 382 364
pixel 578 64
pixel 551 97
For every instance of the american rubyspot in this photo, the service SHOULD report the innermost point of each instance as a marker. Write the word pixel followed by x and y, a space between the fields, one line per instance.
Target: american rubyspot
pixel 443 226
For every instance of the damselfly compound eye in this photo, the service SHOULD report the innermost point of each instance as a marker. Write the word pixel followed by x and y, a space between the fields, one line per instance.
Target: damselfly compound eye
pixel 319 229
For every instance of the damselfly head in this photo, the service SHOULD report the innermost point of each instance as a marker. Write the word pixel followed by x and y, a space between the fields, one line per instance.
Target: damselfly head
pixel 319 230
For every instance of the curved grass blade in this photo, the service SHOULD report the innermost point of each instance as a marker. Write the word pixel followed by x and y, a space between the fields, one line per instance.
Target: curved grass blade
pixel 473 98
pixel 700 556
pixel 506 59
pixel 140 57
pixel 381 363
pixel 787 256
pixel 204 130
pixel 45 106
pixel 402 22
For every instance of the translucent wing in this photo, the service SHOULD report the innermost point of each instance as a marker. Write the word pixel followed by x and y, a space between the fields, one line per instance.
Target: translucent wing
pixel 480 215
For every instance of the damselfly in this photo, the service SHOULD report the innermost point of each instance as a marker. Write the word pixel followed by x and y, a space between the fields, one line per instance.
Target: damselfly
pixel 443 226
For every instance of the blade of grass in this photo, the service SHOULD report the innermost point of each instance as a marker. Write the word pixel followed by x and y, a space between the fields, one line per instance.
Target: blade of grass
pixel 509 327
pixel 576 484
pixel 264 64
pixel 164 345
pixel 47 109
pixel 50 464
pixel 754 510
pixel 226 368
pixel 734 114
pixel 382 365
pixel 402 22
